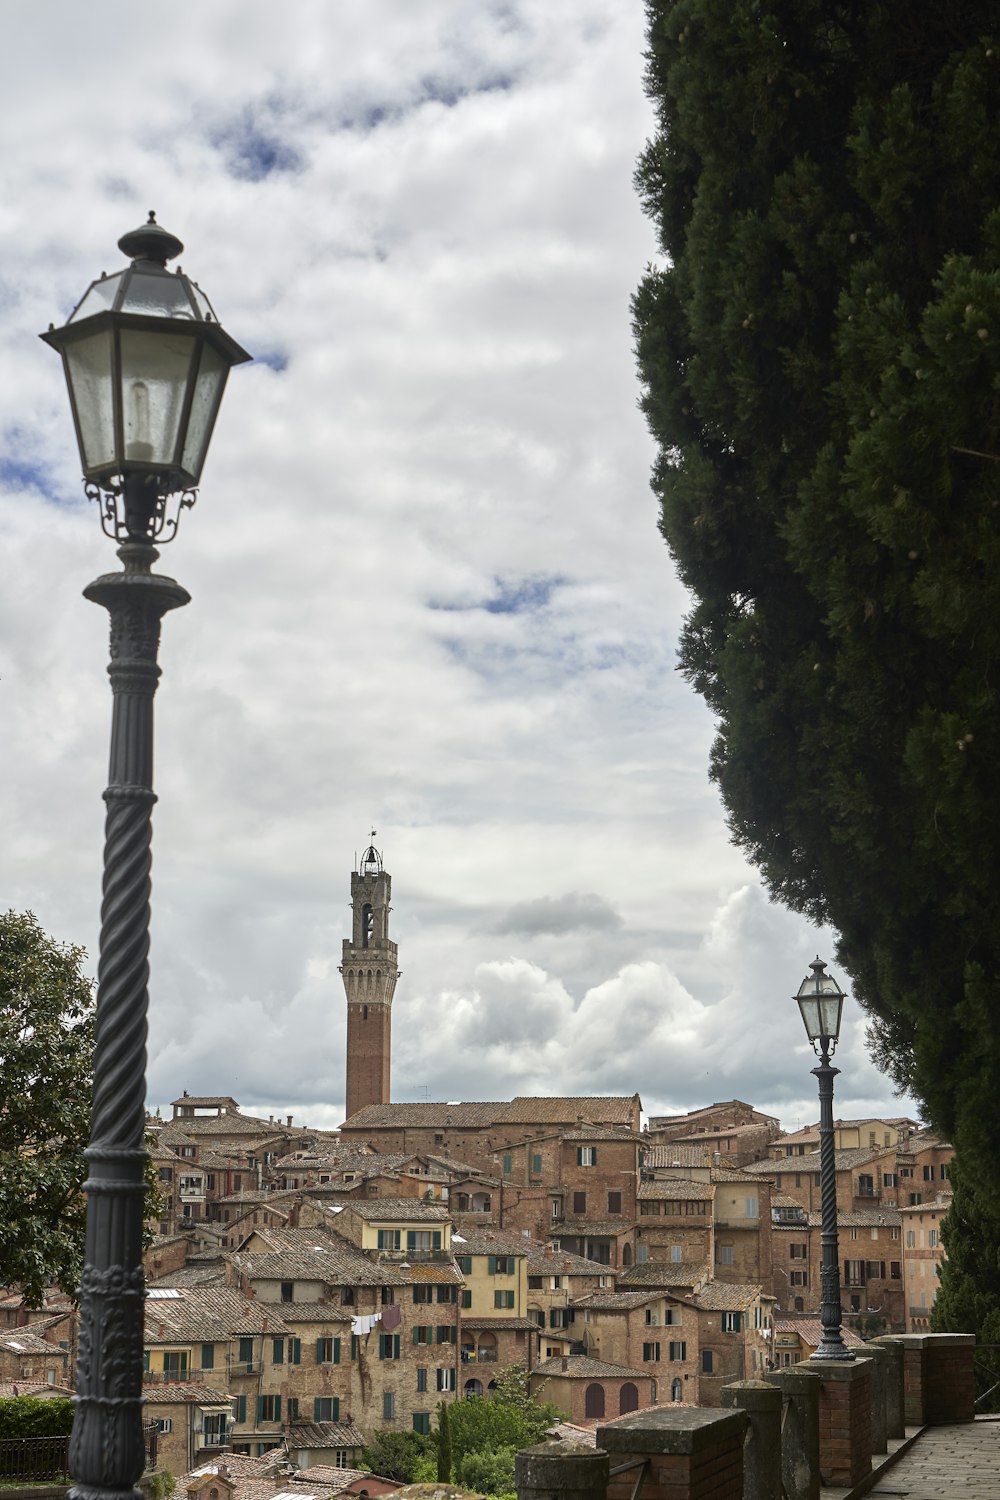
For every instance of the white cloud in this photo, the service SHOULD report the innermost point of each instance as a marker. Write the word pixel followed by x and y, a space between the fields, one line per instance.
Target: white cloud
pixel 427 584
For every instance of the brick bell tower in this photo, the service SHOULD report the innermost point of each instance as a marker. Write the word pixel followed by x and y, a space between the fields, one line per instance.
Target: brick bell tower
pixel 370 974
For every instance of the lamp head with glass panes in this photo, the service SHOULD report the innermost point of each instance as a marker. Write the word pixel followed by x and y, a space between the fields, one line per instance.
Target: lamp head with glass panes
pixel 146 363
pixel 821 1002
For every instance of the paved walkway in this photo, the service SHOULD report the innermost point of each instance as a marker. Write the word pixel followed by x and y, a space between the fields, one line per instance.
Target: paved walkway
pixel 946 1461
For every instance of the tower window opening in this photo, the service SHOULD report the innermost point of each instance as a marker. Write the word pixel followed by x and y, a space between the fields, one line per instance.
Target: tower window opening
pixel 364 1012
pixel 367 925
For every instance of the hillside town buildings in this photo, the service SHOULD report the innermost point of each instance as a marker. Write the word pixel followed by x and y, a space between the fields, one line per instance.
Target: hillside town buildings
pixel 308 1289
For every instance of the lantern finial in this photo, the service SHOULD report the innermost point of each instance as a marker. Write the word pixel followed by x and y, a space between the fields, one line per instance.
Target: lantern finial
pixel 150 242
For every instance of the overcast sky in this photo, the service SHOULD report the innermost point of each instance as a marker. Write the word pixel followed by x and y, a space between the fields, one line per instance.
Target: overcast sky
pixel 429 595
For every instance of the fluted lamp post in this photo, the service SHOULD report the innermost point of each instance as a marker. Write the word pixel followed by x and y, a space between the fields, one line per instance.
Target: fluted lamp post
pixel 821 1002
pixel 146 364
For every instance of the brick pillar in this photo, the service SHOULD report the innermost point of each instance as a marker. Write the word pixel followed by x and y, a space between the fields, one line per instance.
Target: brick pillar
pixel 895 1419
pixel 571 1471
pixel 799 1431
pixel 938 1380
pixel 691 1453
pixel 878 1361
pixel 845 1449
pixel 762 1446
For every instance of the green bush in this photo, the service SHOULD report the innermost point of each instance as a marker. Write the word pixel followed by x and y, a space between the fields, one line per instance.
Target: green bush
pixel 29 1416
pixel 488 1471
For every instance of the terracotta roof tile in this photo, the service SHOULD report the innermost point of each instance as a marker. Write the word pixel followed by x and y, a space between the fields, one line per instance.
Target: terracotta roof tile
pixel 725 1296
pixel 674 1154
pixel 398 1210
pixel 324 1435
pixel 676 1188
pixel 579 1367
pixel 206 1314
pixel 663 1274
pixel 186 1395
pixel 522 1110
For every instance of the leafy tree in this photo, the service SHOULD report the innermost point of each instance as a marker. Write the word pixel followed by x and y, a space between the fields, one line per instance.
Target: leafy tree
pixel 510 1418
pixel 398 1455
pixel 820 353
pixel 443 1445
pixel 46 1046
pixel 489 1471
pixel 969 1296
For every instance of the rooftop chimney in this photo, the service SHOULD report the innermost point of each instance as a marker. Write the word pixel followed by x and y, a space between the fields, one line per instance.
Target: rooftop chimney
pixel 289 1122
pixel 565 1362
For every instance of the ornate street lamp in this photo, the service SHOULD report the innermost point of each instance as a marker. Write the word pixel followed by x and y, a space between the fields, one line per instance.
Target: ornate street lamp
pixel 146 363
pixel 821 1002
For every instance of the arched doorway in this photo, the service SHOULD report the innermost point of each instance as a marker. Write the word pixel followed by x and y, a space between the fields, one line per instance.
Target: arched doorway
pixel 593 1401
pixel 627 1255
pixel 677 1391
pixel 473 1388
pixel 628 1398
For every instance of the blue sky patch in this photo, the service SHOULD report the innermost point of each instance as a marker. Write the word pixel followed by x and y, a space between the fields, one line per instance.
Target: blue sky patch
pixel 275 359
pixel 510 596
pixel 254 151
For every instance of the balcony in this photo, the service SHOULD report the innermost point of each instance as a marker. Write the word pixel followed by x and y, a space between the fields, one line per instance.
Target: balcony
pixel 246 1367
pixel 173 1377
pixel 482 1356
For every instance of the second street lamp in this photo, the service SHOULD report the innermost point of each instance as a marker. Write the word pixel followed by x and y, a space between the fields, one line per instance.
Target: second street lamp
pixel 821 1003
pixel 146 364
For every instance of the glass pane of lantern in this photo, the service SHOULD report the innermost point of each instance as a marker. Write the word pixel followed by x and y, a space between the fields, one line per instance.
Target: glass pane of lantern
pixel 88 371
pixel 829 1015
pixel 155 369
pixel 212 374
pixel 158 294
pixel 809 1007
pixel 98 298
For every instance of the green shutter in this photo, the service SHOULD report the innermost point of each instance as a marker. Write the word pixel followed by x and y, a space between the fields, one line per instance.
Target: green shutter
pixel 395 1345
pixel 492 1265
pixel 579 1156
pixel 316 1408
pixel 436 1240
pixel 260 1408
pixel 466 1299
pixel 277 1408
pixel 319 1351
pixel 416 1333
pixel 296 1351
pixel 336 1409
pixel 354 1346
pixel 336 1351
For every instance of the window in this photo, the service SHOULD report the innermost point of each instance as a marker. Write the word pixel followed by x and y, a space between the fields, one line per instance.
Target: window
pixel 932 1239
pixel 422 1421
pixel 326 1408
pixel 239 1409
pixel 166 1174
pixel 534 1283
pixel 536 1164
pixel 500 1265
pixel 614 1203
pixel 642 1253
pixel 911 1239
pixel 798 1278
pixel 503 1299
pixel 465 1264
pixel 208 1356
pixel 277 1351
pixel 651 1352
pixel 854 1273
pixel 421 1378
pixel 388 1239
pixel 732 1322
pixel 928 1174
pixel 328 1351
pixel 466 1299
pixel 423 1239
pixel 895 1270
pixel 875 1270
pixel 423 1293
pixel 725 1255
pixel 175 1366
pixel 388 1346
pixel 268 1408
pixel 889 1179
pixel 287 1291
pixel 706 1361
pixel 347 1296
pixel 676 1253
pixel 447 1294
pixel 678 1349
pixel 446 1331
pixel 586 1156
pixel 294 1351
pixel 508 1164
pixel 388 1406
pixel 750 1208
pixel 164 1424
pixel 854 1234
pixel 579 1203
pixel 292 1404
pixel 446 1380
pixel 798 1251
pixel 423 1333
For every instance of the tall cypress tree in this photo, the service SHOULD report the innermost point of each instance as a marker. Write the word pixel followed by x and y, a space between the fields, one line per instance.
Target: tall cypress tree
pixel 820 357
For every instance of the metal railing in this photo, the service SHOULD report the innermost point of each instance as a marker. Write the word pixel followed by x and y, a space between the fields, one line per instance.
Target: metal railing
pixel 45 1460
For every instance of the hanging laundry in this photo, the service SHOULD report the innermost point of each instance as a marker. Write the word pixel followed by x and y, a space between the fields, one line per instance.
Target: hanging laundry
pixel 392 1317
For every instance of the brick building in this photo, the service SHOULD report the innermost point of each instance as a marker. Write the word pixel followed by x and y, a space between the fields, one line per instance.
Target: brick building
pixel 590 1388
pixel 369 970
pixel 922 1253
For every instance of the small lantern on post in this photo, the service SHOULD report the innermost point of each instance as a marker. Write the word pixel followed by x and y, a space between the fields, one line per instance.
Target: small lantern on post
pixel 821 1004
